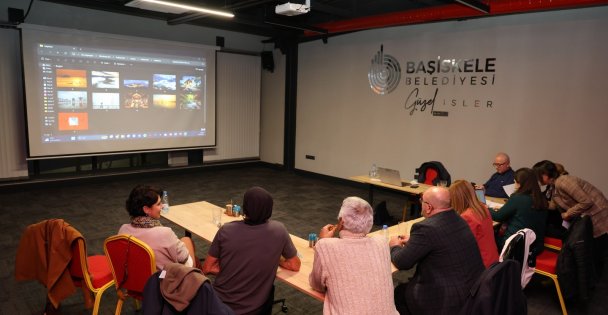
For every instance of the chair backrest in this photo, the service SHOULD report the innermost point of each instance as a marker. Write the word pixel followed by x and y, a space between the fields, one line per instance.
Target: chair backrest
pixel 79 269
pixel 131 260
pixel 432 172
pixel 517 247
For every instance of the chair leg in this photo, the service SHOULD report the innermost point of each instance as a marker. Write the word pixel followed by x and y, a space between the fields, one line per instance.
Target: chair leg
pixel 98 295
pixel 121 299
pixel 559 294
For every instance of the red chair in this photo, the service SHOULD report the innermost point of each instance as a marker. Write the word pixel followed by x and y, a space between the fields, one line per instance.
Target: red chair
pixel 545 266
pixel 132 263
pixel 91 273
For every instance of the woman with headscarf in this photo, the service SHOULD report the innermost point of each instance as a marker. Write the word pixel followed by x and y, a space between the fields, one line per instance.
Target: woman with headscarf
pixel 245 255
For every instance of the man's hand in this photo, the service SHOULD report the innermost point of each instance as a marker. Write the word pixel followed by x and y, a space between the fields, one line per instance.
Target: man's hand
pixel 399 240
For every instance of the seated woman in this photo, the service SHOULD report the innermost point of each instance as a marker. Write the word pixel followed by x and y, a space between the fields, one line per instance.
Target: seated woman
pixel 354 270
pixel 245 255
pixel 526 208
pixel 144 206
pixel 477 215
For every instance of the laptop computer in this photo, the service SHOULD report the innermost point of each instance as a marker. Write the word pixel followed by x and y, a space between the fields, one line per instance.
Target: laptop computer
pixel 389 176
pixel 481 195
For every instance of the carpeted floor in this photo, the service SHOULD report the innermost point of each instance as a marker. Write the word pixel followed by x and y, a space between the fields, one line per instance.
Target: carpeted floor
pixel 303 203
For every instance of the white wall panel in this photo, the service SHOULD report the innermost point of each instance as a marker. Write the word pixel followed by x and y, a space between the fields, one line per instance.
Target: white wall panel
pixel 238 108
pixel 549 99
pixel 12 130
pixel 273 112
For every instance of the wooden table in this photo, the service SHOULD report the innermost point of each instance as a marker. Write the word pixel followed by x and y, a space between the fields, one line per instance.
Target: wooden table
pixel 373 182
pixel 197 218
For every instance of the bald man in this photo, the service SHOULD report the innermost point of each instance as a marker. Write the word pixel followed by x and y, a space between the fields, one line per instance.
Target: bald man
pixel 504 176
pixel 447 258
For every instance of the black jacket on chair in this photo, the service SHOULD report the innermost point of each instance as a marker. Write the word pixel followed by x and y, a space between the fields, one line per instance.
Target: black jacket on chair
pixel 205 302
pixel 497 291
pixel 575 269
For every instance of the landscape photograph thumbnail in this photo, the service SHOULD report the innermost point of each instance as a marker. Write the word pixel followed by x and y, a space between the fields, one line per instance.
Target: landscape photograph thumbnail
pixel 164 82
pixel 71 78
pixel 190 101
pixel 164 101
pixel 104 79
pixel 136 84
pixel 190 83
pixel 72 99
pixel 106 101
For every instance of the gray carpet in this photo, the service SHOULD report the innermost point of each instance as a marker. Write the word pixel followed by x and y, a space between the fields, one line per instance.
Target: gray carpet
pixel 303 203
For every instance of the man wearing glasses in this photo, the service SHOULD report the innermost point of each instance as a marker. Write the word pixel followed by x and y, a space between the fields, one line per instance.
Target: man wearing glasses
pixel 504 176
pixel 446 256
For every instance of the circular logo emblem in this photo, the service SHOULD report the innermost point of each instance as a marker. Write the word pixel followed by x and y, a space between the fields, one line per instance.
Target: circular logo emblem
pixel 384 74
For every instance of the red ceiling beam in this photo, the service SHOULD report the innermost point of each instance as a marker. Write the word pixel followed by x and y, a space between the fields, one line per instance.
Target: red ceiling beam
pixel 450 12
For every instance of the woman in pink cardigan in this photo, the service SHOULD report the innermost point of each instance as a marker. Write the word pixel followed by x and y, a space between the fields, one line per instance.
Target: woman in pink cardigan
pixel 353 270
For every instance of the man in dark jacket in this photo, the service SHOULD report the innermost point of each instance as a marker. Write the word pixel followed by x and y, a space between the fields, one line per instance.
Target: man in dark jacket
pixel 447 258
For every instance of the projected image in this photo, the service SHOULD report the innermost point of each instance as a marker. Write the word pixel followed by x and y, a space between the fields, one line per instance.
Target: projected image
pixel 73 121
pixel 190 83
pixel 72 99
pixel 71 78
pixel 136 100
pixel 106 101
pixel 104 79
pixel 163 101
pixel 189 101
pixel 164 82
pixel 136 84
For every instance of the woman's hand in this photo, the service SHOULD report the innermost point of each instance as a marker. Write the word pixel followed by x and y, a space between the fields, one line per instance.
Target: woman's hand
pixel 327 231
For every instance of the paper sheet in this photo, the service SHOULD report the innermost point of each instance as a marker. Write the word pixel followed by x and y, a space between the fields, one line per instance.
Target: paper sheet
pixel 509 189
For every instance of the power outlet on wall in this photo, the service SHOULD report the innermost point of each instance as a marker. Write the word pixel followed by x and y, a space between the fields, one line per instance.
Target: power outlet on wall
pixel 310 157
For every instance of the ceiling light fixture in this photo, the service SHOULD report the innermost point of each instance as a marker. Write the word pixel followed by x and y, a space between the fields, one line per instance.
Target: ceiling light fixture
pixel 188 7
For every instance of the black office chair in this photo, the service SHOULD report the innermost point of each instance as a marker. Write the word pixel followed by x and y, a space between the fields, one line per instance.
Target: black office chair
pixel 270 302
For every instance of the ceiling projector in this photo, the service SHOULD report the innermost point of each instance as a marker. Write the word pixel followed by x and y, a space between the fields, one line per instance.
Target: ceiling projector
pixel 291 9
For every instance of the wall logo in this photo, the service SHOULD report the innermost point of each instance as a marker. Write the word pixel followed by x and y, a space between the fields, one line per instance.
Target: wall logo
pixel 384 74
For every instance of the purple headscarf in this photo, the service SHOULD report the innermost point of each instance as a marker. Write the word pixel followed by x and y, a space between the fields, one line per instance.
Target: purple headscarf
pixel 257 206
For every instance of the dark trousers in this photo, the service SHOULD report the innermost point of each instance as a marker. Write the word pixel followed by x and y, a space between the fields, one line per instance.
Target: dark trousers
pixel 400 302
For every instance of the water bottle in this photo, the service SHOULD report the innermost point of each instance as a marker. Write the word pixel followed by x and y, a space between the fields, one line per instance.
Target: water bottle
pixel 385 232
pixel 374 172
pixel 236 210
pixel 165 202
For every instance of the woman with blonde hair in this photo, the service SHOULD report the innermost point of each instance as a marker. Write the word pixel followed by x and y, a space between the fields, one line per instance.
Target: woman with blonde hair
pixel 465 202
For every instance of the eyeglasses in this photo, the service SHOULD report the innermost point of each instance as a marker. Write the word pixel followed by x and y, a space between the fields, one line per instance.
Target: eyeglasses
pixel 422 201
pixel 499 164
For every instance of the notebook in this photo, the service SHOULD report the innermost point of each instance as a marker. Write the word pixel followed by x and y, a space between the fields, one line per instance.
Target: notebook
pixel 389 176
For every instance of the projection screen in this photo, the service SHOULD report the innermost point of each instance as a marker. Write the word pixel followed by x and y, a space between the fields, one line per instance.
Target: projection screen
pixel 91 93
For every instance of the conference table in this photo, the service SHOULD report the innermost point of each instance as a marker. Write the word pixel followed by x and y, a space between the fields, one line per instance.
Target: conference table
pixel 407 188
pixel 196 218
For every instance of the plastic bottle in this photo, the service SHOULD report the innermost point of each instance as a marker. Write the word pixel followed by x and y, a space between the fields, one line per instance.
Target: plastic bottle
pixel 165 202
pixel 236 210
pixel 385 232
pixel 374 172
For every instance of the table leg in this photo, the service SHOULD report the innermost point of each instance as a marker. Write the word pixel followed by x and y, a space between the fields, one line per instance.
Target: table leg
pixel 371 195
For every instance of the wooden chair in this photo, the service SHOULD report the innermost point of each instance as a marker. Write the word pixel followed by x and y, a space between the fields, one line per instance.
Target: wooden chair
pixel 132 263
pixel 91 273
pixel 546 262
